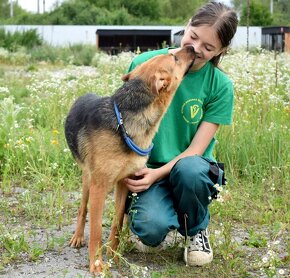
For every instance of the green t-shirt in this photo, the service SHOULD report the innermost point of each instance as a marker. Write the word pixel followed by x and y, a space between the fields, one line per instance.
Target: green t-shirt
pixel 203 95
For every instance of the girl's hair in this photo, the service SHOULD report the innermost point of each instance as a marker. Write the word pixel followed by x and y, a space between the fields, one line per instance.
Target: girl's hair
pixel 220 17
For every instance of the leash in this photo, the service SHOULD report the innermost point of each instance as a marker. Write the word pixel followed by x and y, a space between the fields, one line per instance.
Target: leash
pixel 126 137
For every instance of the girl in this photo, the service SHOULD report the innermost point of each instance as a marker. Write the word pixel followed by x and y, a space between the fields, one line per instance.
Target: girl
pixel 182 176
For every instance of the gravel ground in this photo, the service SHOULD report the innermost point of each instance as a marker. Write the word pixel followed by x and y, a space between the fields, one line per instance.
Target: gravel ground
pixel 60 260
pixel 70 262
pixel 64 262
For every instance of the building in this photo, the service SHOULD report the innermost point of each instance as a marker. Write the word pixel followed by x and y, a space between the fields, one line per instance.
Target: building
pixel 276 38
pixel 112 38
pixel 116 40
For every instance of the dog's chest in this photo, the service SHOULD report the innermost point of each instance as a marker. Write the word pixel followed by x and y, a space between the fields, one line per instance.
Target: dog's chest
pixel 131 166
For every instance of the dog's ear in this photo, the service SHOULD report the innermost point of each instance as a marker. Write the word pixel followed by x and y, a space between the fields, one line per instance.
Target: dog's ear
pixel 126 77
pixel 162 81
pixel 162 84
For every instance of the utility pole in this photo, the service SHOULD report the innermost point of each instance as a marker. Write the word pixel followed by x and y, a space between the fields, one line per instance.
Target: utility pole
pixel 38 9
pixel 43 6
pixel 248 22
pixel 271 6
pixel 11 8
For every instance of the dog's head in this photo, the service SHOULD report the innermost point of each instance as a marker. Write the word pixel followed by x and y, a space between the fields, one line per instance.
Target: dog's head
pixel 164 72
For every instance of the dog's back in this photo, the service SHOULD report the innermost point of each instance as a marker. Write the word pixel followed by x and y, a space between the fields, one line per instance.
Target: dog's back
pixel 91 113
pixel 77 121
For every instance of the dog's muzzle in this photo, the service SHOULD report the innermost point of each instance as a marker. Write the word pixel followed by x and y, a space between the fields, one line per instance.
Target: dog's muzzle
pixel 190 49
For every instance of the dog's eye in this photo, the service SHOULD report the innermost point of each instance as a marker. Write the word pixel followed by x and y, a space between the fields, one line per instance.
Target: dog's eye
pixel 175 58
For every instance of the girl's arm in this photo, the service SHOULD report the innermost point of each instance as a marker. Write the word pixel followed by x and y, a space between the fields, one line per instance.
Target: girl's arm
pixel 200 142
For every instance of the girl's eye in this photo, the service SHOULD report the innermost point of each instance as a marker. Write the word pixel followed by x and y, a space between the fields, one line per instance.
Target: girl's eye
pixel 208 48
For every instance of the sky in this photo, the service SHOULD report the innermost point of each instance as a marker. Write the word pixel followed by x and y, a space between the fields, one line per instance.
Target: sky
pixel 31 5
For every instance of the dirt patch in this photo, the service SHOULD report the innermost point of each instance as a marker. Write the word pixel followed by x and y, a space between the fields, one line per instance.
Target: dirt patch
pixel 250 252
pixel 64 261
pixel 58 262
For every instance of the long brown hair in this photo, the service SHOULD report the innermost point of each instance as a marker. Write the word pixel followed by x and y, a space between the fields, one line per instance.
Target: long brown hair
pixel 222 18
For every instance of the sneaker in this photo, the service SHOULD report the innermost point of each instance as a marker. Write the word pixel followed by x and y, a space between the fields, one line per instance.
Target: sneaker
pixel 199 251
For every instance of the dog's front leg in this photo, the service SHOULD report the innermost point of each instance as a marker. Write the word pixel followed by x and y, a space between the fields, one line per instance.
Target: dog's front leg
pixel 97 200
pixel 121 193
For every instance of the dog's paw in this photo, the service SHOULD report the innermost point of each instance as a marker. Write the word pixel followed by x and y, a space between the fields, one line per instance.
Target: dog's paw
pixel 96 267
pixel 110 252
pixel 77 241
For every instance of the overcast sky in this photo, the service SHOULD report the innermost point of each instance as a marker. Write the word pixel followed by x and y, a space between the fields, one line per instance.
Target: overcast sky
pixel 31 5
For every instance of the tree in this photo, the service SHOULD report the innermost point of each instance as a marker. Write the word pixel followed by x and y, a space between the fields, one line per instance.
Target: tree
pixel 17 12
pixel 281 9
pixel 281 14
pixel 141 8
pixel 259 15
pixel 4 9
pixel 184 11
pixel 111 5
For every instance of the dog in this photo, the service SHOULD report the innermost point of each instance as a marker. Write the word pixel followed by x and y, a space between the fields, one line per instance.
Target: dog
pixel 110 138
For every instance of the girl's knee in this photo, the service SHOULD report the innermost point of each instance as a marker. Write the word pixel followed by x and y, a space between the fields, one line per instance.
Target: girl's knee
pixel 189 170
pixel 151 232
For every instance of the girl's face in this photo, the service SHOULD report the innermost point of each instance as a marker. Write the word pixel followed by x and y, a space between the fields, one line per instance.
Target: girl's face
pixel 205 42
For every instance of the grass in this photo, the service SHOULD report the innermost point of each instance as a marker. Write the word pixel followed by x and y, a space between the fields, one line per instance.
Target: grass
pixel 40 182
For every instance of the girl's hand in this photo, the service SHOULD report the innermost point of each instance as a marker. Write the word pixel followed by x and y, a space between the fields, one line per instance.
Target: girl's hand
pixel 144 178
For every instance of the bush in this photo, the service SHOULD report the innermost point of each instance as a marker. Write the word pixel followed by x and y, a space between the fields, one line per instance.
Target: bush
pixel 82 54
pixel 49 54
pixel 20 57
pixel 77 54
pixel 13 41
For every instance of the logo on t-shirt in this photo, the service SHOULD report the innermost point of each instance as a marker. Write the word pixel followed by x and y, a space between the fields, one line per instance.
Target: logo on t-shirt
pixel 192 111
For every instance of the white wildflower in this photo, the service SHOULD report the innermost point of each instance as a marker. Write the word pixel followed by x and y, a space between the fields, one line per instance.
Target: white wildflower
pixel 97 263
pixel 4 90
pixel 281 271
pixel 218 187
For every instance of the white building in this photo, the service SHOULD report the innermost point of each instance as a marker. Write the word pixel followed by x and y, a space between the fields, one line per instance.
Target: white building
pixel 64 35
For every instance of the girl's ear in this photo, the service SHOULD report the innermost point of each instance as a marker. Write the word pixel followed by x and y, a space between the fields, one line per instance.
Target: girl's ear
pixel 126 77
pixel 222 51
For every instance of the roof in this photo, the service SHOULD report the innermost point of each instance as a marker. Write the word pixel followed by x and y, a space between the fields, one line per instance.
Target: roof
pixel 275 30
pixel 132 32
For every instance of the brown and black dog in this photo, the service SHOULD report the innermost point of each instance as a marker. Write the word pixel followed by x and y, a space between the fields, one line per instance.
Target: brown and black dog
pixel 96 141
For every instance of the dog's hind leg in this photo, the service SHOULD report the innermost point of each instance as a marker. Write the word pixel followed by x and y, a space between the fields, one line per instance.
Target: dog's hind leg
pixel 121 193
pixel 77 239
pixel 98 193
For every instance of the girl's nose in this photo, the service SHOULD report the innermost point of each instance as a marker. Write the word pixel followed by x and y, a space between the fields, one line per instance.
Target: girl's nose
pixel 197 47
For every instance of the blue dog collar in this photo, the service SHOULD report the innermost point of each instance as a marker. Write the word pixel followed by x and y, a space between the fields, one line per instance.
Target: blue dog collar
pixel 126 137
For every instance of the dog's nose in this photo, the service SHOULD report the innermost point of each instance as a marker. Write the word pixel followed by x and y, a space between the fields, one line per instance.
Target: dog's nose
pixel 190 48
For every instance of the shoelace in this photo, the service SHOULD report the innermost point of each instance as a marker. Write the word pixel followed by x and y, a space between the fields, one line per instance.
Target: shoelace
pixel 196 243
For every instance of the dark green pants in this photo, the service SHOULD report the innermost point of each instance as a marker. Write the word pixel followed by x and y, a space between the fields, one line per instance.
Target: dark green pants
pixel 178 202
